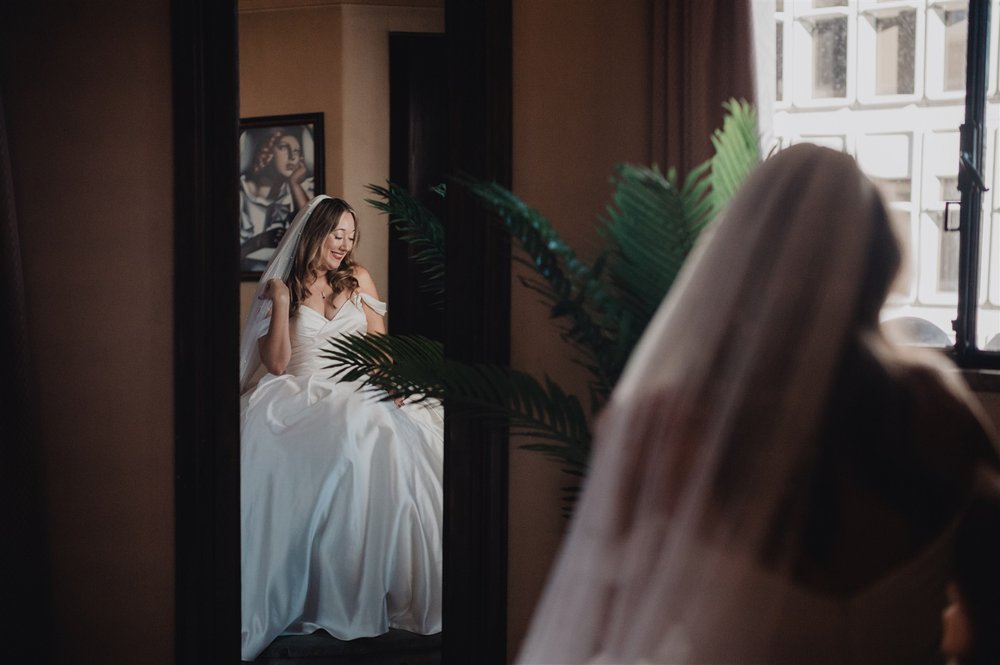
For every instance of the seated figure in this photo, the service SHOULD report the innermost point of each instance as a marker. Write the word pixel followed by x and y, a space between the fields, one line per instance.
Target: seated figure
pixel 788 497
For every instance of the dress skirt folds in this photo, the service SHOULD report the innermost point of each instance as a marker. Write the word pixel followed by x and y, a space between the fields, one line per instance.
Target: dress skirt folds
pixel 341 500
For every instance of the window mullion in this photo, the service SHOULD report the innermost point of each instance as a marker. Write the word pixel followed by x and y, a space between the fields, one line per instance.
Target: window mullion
pixel 970 181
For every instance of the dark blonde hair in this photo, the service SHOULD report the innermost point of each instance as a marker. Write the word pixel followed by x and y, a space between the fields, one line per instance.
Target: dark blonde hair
pixel 320 224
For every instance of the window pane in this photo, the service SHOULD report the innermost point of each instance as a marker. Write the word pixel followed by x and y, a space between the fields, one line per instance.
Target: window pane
pixel 955 36
pixel 830 58
pixel 779 31
pixel 989 310
pixel 885 158
pixel 829 3
pixel 988 316
pixel 949 188
pixel 894 53
pixel 947 272
pixel 779 6
pixel 894 190
pixel 902 227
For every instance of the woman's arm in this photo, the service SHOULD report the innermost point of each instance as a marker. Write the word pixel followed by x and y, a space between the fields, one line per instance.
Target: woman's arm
pixel 376 324
pixel 276 346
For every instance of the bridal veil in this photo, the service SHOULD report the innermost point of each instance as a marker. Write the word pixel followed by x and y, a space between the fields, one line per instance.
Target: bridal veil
pixel 682 543
pixel 279 267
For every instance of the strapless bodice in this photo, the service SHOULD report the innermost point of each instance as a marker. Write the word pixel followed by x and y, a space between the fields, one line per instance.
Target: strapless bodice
pixel 310 333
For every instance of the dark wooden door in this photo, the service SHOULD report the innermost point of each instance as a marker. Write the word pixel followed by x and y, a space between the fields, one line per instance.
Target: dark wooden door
pixel 418 152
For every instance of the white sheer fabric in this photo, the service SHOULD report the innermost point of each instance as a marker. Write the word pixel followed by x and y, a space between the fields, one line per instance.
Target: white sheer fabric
pixel 280 267
pixel 341 495
pixel 683 544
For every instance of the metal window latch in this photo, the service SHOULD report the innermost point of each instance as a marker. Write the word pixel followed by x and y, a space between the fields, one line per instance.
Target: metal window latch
pixel 965 164
pixel 947 215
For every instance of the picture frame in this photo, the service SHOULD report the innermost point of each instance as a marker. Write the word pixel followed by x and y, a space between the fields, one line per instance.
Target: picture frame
pixel 281 169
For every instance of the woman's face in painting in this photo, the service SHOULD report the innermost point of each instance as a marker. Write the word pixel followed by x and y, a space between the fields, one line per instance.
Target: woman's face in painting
pixel 338 243
pixel 287 155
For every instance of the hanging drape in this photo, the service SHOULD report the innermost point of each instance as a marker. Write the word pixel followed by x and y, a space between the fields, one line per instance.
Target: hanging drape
pixel 701 56
pixel 22 498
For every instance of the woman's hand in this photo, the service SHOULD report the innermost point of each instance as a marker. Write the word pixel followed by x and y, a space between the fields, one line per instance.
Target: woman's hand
pixel 299 174
pixel 299 195
pixel 276 291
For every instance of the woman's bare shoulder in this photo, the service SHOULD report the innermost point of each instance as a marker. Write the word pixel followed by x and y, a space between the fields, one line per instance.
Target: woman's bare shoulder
pixel 365 282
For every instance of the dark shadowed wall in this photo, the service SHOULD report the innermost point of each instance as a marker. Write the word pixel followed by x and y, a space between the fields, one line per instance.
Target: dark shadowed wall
pixel 88 95
pixel 581 105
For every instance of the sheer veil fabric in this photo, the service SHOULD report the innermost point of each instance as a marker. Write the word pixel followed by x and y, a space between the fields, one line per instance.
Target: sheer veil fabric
pixel 680 545
pixel 280 267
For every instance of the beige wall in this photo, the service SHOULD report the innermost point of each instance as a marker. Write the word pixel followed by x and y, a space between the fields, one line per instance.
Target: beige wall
pixel 580 106
pixel 332 57
pixel 88 97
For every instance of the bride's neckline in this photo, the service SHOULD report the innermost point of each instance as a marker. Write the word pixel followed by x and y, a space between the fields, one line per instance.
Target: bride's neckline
pixel 321 314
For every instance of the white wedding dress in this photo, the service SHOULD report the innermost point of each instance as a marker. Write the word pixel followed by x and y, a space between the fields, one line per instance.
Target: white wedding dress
pixel 341 499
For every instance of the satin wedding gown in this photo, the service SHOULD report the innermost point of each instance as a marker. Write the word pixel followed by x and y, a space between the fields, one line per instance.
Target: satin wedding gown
pixel 341 499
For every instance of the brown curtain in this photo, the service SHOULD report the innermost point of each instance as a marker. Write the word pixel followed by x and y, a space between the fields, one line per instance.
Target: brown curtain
pixel 702 56
pixel 26 583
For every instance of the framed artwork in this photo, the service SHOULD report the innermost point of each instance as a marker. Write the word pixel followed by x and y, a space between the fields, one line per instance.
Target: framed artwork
pixel 281 169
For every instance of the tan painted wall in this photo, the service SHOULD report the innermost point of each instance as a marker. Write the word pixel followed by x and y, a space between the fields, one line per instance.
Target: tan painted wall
pixel 334 58
pixel 580 106
pixel 88 96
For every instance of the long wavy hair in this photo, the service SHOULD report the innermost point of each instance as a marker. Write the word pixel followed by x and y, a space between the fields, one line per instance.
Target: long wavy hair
pixel 320 224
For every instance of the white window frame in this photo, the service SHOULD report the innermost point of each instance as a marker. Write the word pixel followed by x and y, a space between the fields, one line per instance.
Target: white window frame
pixel 868 13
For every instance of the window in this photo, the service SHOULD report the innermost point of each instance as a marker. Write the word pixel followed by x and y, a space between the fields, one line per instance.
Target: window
pixel 895 44
pixel 780 61
pixel 829 52
pixel 955 29
pixel 886 82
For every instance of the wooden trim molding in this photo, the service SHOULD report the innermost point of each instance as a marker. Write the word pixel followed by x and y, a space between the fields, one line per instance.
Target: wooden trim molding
pixel 206 331
pixel 477 312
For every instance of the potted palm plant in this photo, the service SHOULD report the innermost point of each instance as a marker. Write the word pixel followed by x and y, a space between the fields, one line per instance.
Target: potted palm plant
pixel 602 307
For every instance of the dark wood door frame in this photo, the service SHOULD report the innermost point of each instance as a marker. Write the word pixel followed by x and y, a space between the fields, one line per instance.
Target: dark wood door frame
pixel 206 323
pixel 418 155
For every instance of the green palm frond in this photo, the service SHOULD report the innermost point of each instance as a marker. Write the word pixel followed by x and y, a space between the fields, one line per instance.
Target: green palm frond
pixel 651 227
pixel 420 229
pixel 737 152
pixel 574 289
pixel 415 367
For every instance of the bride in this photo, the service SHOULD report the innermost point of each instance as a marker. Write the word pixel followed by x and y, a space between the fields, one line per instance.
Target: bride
pixel 773 479
pixel 341 497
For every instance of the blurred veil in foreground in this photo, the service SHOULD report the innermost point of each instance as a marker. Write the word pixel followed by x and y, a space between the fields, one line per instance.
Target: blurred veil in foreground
pixel 773 480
